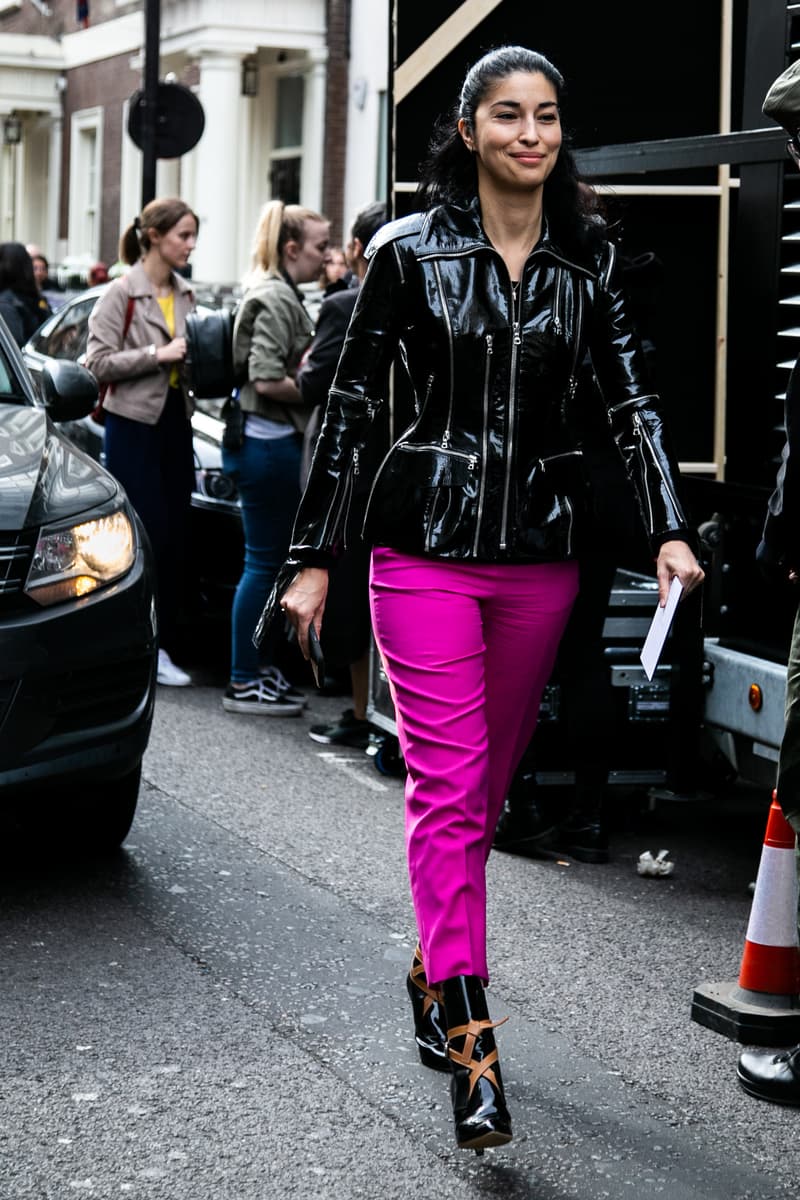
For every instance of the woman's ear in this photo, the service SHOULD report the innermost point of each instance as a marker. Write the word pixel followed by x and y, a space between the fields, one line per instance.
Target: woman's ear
pixel 291 249
pixel 466 136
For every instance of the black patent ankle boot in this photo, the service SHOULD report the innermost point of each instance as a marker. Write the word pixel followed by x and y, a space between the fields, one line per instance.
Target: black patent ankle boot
pixel 479 1107
pixel 429 1029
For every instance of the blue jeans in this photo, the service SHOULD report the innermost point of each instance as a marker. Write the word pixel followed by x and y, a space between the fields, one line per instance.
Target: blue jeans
pixel 267 474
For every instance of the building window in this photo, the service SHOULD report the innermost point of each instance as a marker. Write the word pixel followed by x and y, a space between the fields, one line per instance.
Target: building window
pixel 286 158
pixel 85 162
pixel 289 126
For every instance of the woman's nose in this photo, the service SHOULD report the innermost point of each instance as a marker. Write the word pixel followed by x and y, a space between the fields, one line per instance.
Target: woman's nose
pixel 530 130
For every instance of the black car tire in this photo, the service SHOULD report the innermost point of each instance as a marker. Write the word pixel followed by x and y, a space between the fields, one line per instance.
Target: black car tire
pixel 101 816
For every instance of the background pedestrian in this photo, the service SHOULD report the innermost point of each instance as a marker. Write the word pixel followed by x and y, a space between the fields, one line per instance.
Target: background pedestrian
pixel 20 302
pixel 136 346
pixel 346 635
pixel 763 1073
pixel 272 331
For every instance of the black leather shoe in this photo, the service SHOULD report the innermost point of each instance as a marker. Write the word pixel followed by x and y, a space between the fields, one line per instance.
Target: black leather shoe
pixel 586 840
pixel 476 1089
pixel 770 1076
pixel 429 1029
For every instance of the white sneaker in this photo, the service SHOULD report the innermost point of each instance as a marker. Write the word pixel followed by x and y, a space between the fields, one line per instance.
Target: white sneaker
pixel 169 674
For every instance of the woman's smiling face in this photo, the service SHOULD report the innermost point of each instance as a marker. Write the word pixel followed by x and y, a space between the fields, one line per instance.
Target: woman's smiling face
pixel 517 132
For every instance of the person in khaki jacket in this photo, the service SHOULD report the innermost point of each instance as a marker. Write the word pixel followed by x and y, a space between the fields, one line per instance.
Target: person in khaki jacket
pixel 136 347
pixel 271 332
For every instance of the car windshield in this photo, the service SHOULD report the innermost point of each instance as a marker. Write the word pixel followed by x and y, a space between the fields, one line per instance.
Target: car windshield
pixel 65 334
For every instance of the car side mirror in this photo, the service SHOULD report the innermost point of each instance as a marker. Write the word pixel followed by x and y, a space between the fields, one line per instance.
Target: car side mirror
pixel 68 390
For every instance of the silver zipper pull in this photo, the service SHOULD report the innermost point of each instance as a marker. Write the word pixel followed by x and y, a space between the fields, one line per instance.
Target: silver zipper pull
pixel 490 343
pixel 445 439
pixel 517 338
pixel 355 462
pixel 472 462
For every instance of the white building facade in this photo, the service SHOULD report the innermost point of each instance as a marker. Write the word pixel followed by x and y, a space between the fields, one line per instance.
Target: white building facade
pixel 285 114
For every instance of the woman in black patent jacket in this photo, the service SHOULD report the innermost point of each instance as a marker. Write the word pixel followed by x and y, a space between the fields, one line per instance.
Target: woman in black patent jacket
pixel 489 300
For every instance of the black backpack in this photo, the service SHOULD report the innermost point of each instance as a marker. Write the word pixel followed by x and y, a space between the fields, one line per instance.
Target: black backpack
pixel 209 353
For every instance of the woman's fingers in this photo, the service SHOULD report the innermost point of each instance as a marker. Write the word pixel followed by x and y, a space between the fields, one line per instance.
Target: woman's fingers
pixel 676 558
pixel 304 602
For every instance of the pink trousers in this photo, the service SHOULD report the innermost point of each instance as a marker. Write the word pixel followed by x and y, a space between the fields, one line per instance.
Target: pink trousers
pixel 468 649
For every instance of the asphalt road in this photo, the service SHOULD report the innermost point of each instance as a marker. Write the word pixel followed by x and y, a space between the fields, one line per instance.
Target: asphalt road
pixel 220 1010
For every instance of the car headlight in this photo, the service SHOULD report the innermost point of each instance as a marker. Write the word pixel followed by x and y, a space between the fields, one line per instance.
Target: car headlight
pixel 72 562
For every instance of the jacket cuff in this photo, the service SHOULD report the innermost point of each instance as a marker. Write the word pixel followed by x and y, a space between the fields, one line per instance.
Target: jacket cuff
pixel 674 535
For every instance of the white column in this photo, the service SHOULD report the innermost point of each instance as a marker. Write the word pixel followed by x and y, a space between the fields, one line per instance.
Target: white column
pixel 54 175
pixel 216 178
pixel 314 130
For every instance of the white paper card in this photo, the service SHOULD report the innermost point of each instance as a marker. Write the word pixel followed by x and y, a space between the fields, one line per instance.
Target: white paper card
pixel 659 628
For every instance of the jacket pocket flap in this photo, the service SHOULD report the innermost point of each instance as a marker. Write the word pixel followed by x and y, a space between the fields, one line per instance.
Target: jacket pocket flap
pixel 433 466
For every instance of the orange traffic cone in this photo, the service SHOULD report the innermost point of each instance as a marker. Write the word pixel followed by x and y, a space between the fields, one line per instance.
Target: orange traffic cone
pixel 771 959
pixel 763 1008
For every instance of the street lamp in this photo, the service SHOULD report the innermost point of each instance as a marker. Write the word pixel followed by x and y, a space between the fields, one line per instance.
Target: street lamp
pixel 12 130
pixel 249 77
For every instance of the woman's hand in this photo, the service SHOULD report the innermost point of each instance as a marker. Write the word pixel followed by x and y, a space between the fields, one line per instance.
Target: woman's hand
pixel 676 558
pixel 304 602
pixel 174 351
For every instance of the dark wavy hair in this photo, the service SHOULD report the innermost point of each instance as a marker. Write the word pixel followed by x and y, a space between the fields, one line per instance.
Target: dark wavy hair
pixel 448 174
pixel 16 272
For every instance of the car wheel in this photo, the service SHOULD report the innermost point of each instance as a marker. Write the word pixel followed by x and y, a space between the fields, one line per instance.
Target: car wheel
pixel 102 815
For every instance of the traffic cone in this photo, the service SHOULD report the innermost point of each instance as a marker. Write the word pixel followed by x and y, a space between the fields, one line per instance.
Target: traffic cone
pixel 763 1007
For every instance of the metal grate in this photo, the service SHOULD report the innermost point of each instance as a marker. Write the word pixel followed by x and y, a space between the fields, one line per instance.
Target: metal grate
pixel 15 555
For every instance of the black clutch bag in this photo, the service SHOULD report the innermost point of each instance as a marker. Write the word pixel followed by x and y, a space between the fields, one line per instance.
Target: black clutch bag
pixel 284 578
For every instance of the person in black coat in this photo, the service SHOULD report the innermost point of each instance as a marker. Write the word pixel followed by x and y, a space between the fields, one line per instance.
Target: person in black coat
pixel 345 639
pixel 19 295
pixel 765 1074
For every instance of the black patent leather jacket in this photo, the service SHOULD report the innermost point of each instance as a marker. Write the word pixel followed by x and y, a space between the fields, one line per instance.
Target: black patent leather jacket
pixel 490 468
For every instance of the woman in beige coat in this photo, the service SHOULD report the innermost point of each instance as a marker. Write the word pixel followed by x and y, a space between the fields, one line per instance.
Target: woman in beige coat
pixel 136 347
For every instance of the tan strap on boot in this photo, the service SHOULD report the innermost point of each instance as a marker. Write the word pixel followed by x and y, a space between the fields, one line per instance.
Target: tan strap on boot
pixel 477 1067
pixel 419 978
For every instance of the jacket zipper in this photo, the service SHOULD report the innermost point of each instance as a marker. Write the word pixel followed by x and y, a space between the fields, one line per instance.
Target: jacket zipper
pixel 512 413
pixel 572 386
pixel 484 442
pixel 557 303
pixel 471 457
pixel 336 509
pixel 351 489
pixel 644 435
pixel 451 349
pixel 636 400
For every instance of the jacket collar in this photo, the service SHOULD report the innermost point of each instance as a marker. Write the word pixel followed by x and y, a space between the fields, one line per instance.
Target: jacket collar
pixel 139 284
pixel 451 232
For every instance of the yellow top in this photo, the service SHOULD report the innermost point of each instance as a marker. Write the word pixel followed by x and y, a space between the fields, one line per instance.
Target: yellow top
pixel 167 306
